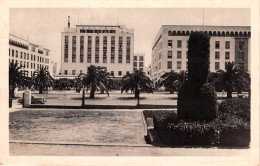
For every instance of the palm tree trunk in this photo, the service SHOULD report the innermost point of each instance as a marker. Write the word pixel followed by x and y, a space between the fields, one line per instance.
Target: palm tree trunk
pixel 92 93
pixel 229 93
pixel 11 89
pixel 136 93
pixel 40 90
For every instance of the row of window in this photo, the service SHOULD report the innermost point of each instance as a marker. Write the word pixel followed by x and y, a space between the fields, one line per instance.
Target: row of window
pixel 141 58
pixel 28 66
pixel 97 42
pixel 217 44
pixel 73 72
pixel 179 55
pixel 23 55
pixel 141 64
pixel 96 31
pixel 169 65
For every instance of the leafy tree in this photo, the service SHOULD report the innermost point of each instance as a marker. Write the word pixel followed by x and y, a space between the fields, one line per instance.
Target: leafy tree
pixel 172 81
pixel 232 79
pixel 136 81
pixel 42 79
pixel 16 78
pixel 95 79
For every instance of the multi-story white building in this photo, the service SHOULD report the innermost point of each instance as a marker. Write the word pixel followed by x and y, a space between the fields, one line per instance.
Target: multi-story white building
pixel 227 43
pixel 148 70
pixel 138 61
pixel 53 68
pixel 31 56
pixel 108 46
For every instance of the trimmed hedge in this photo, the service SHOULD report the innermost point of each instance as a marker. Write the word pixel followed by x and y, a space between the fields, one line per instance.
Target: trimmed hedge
pixel 239 107
pixel 225 131
pixel 197 104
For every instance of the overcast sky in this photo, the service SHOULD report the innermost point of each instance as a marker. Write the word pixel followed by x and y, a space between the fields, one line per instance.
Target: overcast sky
pixel 44 26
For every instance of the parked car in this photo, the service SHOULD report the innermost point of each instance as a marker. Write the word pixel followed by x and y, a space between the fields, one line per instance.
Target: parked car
pixel 34 100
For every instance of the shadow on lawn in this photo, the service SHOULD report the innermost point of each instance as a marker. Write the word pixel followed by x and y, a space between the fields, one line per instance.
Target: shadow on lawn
pixel 87 98
pixel 131 98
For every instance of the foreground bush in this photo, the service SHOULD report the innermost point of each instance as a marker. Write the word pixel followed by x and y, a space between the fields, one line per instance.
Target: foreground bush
pixel 225 131
pixel 238 107
pixel 197 104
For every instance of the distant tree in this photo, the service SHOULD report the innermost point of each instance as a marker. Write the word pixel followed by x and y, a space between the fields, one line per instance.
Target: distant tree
pixel 168 80
pixel 232 79
pixel 16 78
pixel 41 78
pixel 95 79
pixel 136 81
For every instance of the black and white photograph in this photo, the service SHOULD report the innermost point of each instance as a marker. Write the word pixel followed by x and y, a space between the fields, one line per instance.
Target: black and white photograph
pixel 131 82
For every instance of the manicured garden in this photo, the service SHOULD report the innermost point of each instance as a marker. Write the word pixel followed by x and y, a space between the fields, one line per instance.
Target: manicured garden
pixel 200 120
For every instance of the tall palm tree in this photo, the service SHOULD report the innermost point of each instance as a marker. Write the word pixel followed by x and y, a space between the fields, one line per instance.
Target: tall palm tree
pixel 95 79
pixel 168 81
pixel 172 81
pixel 16 77
pixel 42 79
pixel 136 81
pixel 232 79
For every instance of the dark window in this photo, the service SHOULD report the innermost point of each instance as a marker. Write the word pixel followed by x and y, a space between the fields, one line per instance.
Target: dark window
pixel 89 49
pixel 81 56
pixel 169 43
pixel 178 54
pixel 179 44
pixel 119 73
pixel 73 72
pixel 217 46
pixel 74 49
pixel 135 64
pixel 104 49
pixel 227 44
pixel 178 64
pixel 227 55
pixel 241 45
pixel 97 50
pixel 112 50
pixel 169 65
pixel 112 73
pixel 141 64
pixel 216 55
pixel 66 49
pixel 12 53
pixel 169 54
pixel 120 51
pixel 128 44
pixel 216 65
pixel 135 58
pixel 66 72
pixel 241 55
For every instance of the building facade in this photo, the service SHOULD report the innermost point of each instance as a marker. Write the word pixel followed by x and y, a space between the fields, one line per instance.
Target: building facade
pixel 31 56
pixel 138 61
pixel 110 47
pixel 227 43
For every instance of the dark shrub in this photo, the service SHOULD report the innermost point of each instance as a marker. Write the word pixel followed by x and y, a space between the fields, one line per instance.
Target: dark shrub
pixel 198 57
pixel 190 133
pixel 200 105
pixel 197 99
pixel 238 107
pixel 233 131
pixel 161 119
pixel 226 130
